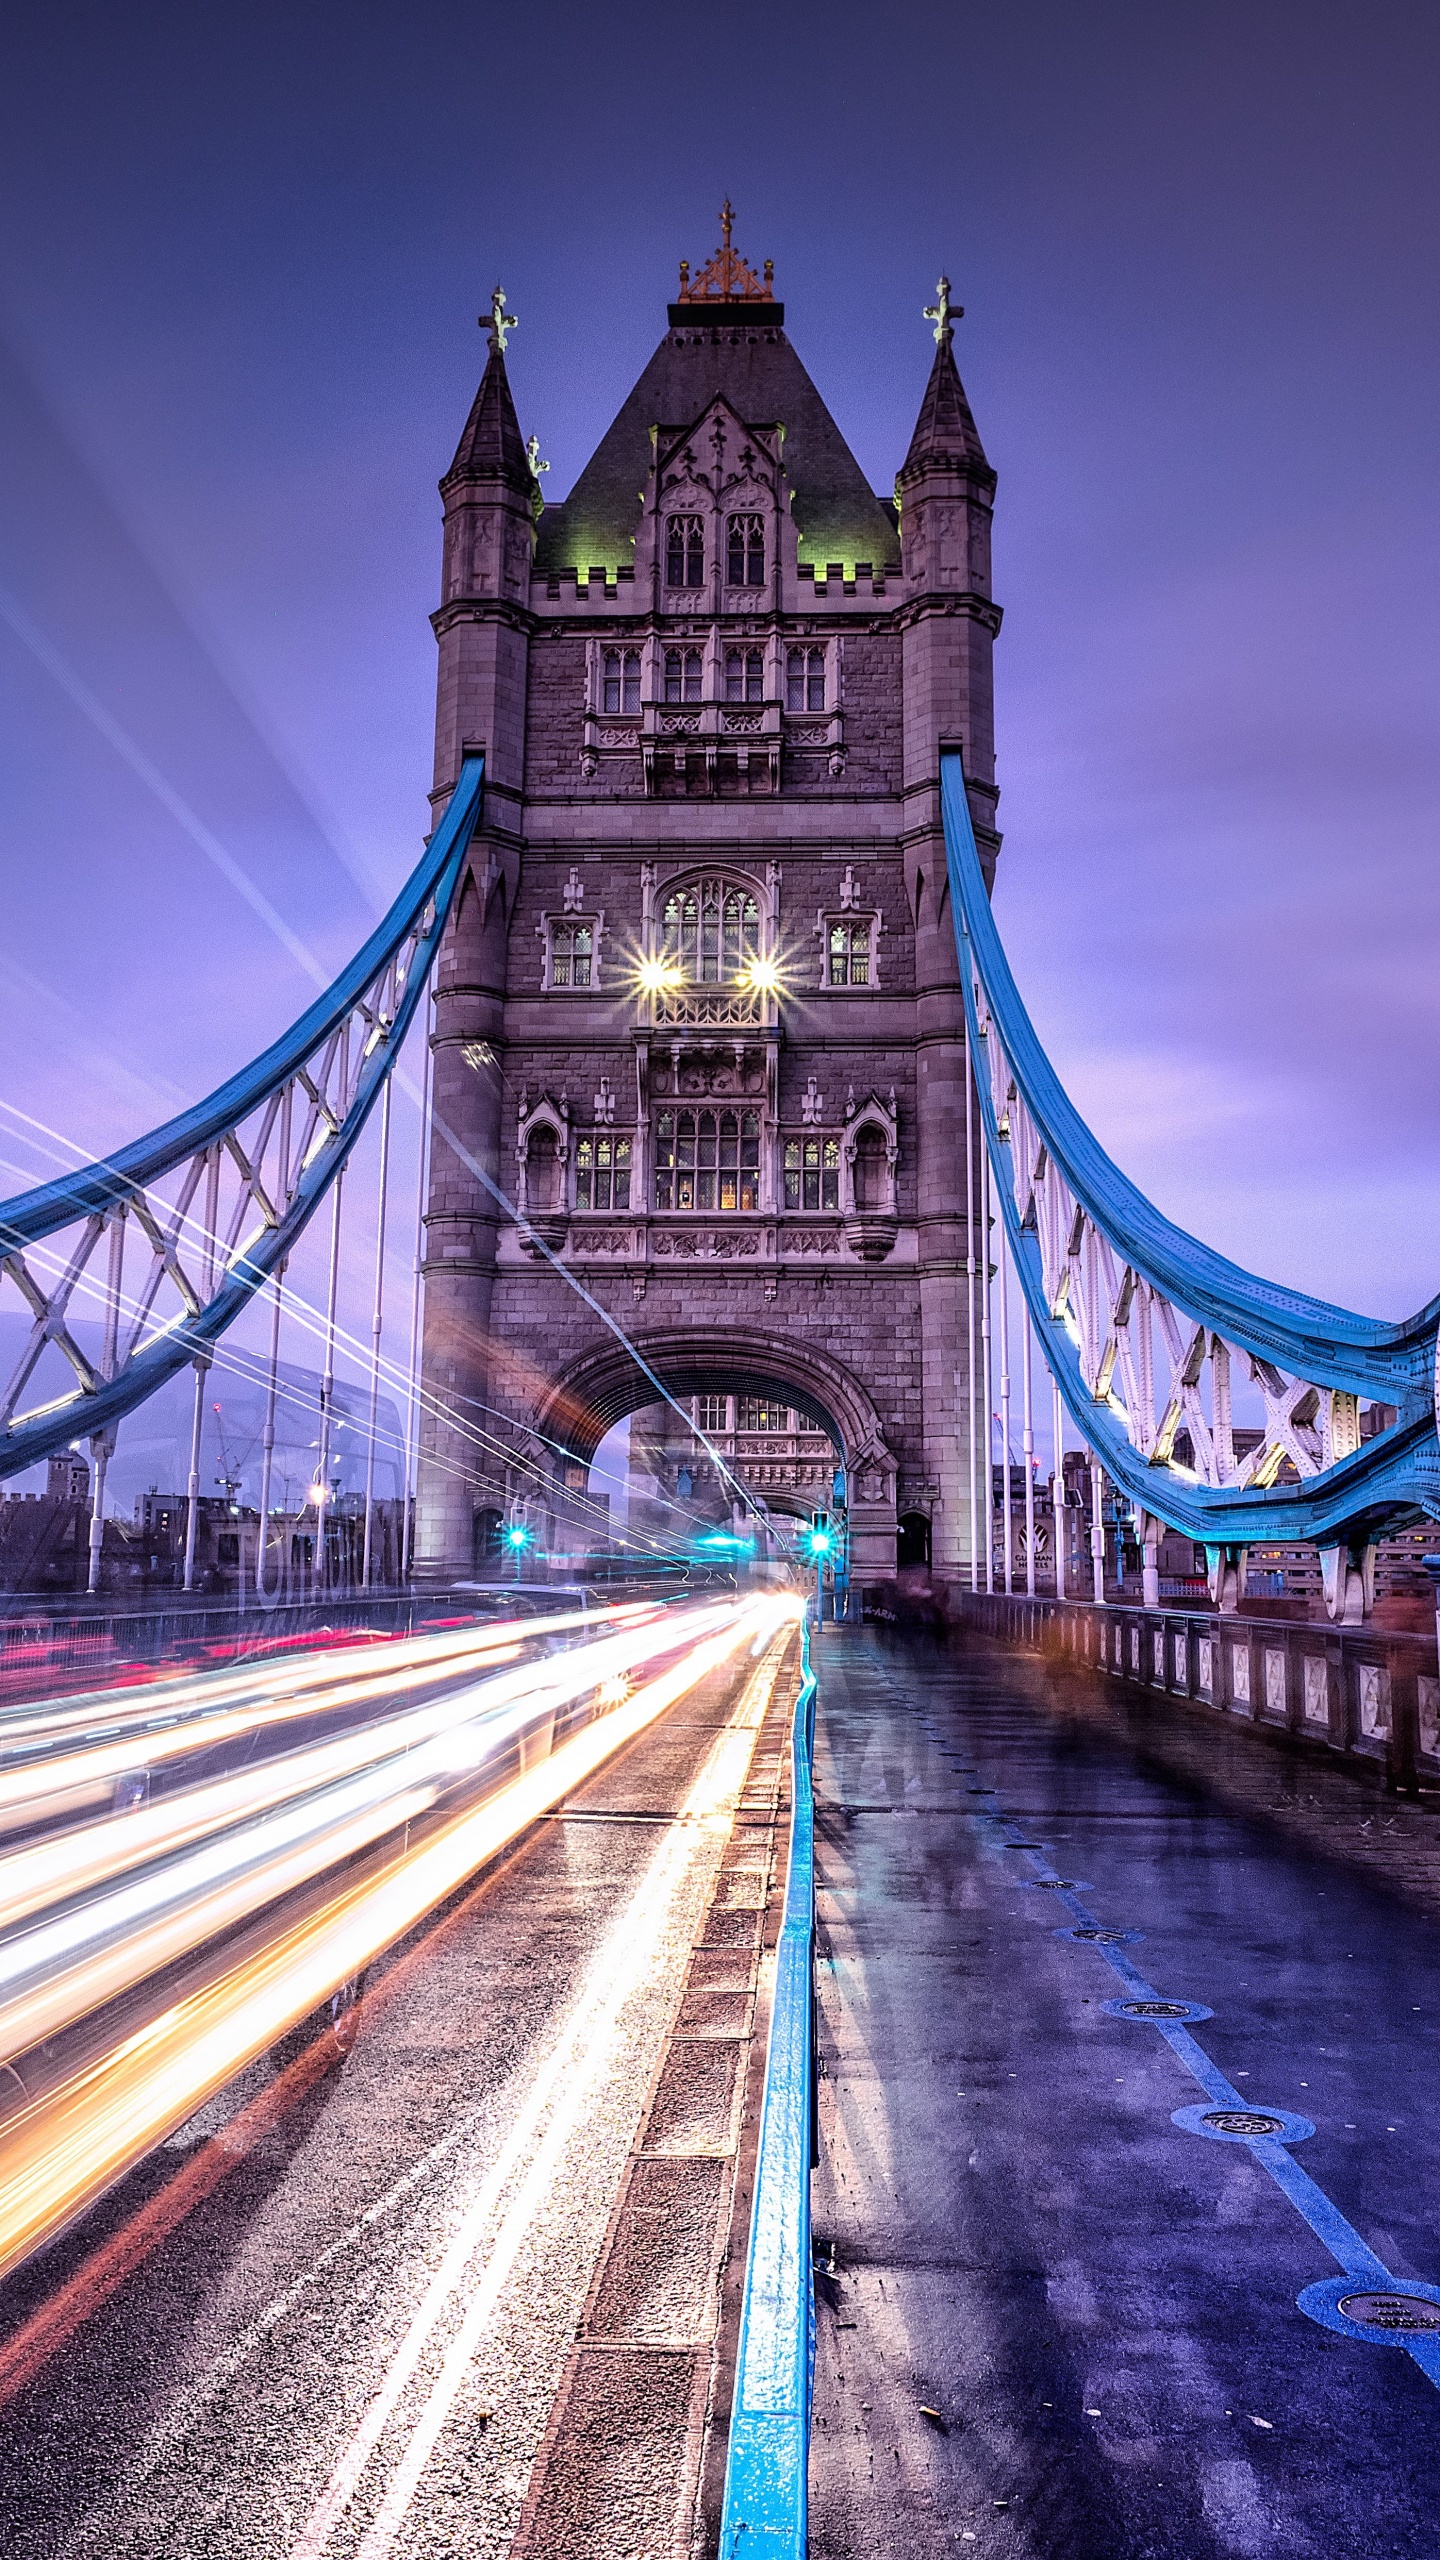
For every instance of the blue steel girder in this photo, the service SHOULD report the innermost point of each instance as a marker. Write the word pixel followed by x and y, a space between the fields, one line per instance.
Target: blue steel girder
pixel 1110 1283
pixel 219 1196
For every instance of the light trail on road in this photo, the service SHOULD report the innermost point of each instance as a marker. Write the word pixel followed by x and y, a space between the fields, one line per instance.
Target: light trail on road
pixel 60 2152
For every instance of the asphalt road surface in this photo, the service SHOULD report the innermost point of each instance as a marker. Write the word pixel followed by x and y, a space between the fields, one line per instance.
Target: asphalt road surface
pixel 329 2316
pixel 1059 2323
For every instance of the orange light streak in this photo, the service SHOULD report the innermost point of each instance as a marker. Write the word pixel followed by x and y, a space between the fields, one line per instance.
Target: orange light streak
pixel 62 2152
pixel 114 1943
pixel 43 1787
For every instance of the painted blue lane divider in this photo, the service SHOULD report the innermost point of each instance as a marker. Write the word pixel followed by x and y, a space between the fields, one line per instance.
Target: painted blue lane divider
pixel 766 2505
pixel 1365 2301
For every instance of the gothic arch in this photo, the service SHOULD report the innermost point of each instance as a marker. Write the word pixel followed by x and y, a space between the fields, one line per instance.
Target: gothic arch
pixel 604 1384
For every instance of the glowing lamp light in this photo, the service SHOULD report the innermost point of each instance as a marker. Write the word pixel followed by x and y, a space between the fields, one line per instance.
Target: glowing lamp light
pixel 656 977
pixel 517 1535
pixel 763 977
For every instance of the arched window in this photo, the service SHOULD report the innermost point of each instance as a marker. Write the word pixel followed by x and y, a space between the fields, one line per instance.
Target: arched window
pixel 572 948
pixel 744 675
pixel 622 680
pixel 712 931
pixel 602 1171
pixel 542 1170
pixel 805 680
pixel 872 1169
pixel 746 548
pixel 707 1160
pixel 812 1173
pixel 850 954
pixel 682 675
pixel 685 551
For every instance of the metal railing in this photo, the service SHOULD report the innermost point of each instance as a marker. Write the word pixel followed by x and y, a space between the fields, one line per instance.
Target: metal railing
pixel 766 2506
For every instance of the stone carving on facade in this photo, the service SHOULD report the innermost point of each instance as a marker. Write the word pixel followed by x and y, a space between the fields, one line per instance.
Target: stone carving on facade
pixel 717 1244
pixel 603 1240
pixel 705 1074
pixel 812 1106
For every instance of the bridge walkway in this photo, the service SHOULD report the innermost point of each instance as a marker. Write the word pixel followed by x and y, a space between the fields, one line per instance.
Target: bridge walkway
pixel 1052 2322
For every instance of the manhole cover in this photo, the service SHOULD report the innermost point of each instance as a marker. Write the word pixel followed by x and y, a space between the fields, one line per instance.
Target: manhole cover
pixel 1241 2120
pixel 1099 1937
pixel 1055 1884
pixel 1391 2311
pixel 1024 1844
pixel 1154 2008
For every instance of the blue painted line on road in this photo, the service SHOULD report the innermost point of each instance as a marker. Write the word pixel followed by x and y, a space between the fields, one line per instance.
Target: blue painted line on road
pixel 1353 2255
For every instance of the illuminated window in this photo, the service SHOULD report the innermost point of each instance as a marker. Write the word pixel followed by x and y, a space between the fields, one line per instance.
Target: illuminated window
pixel 622 680
pixel 712 931
pixel 746 562
pixel 684 551
pixel 805 680
pixel 761 1413
pixel 812 1173
pixel 572 951
pixel 707 1160
pixel 850 954
pixel 744 675
pixel 710 1414
pixel 602 1172
pixel 682 675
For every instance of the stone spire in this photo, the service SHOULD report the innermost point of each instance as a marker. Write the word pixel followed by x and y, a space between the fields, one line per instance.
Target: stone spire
pixel 945 431
pixel 492 447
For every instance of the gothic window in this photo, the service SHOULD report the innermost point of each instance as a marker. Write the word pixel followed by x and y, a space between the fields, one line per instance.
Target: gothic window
pixel 542 1170
pixel 707 1160
pixel 682 675
pixel 684 551
pixel 746 563
pixel 805 680
pixel 710 1414
pixel 761 1413
pixel 812 1173
pixel 602 1171
pixel 712 931
pixel 622 680
pixel 572 952
pixel 744 675
pixel 872 1169
pixel 849 955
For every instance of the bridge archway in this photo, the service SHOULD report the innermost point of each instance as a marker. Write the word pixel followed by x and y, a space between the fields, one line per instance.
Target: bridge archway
pixel 603 1385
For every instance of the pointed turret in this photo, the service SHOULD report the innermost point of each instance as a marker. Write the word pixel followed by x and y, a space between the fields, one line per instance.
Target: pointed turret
pixel 491 499
pixel 945 488
pixel 945 431
pixel 492 447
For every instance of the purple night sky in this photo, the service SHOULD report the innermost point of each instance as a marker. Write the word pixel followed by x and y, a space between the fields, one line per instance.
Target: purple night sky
pixel 241 257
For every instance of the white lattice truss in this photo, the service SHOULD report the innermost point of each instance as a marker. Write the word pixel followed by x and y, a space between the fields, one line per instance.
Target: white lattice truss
pixel 1156 1370
pixel 160 1256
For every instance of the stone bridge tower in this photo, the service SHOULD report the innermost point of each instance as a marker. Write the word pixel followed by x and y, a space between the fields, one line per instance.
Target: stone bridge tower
pixel 698 1015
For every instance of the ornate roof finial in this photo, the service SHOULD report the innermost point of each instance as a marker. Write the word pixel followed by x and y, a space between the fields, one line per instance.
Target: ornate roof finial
pixel 499 321
pixel 726 277
pixel 941 311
